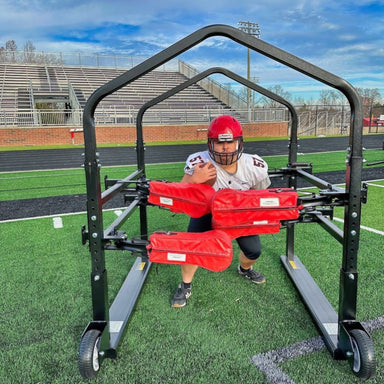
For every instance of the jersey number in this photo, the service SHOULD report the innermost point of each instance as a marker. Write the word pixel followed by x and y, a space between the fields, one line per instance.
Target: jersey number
pixel 195 160
pixel 258 163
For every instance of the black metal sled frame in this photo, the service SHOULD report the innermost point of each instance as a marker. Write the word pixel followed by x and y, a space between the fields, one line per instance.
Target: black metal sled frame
pixel 344 336
pixel 114 239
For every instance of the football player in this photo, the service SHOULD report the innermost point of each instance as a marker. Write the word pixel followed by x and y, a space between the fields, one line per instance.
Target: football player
pixel 224 165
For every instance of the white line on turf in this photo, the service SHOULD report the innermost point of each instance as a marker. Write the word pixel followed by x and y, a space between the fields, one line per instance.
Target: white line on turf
pixel 362 227
pixel 61 214
pixel 268 362
pixel 41 217
pixel 375 185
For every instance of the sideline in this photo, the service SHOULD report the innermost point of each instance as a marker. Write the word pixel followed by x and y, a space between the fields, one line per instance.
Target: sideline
pixel 56 215
pixel 375 185
pixel 41 217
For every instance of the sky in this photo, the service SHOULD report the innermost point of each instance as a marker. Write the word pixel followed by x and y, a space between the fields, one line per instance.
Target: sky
pixel 344 37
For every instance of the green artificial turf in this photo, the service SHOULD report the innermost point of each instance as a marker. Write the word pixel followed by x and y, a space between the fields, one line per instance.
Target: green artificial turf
pixel 45 305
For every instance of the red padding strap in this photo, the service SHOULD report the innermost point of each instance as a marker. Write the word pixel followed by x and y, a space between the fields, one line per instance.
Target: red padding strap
pixel 252 228
pixel 231 208
pixel 191 199
pixel 211 250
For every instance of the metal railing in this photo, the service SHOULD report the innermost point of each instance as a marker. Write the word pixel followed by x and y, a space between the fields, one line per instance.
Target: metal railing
pixel 127 115
pixel 222 93
pixel 77 59
pixel 310 121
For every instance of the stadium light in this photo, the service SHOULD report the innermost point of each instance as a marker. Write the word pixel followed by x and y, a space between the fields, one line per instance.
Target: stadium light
pixel 252 29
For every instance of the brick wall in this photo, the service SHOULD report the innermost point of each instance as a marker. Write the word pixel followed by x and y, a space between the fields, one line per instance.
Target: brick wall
pixel 125 134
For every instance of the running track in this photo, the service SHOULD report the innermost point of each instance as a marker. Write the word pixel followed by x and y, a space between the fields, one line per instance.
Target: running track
pixel 12 161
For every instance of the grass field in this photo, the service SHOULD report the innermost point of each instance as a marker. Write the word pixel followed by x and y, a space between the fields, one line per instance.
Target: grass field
pixel 46 303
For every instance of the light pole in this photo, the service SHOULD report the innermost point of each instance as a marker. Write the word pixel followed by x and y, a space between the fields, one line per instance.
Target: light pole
pixel 254 30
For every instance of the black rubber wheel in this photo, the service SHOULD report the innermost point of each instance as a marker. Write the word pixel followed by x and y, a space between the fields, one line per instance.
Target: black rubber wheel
pixel 89 354
pixel 364 363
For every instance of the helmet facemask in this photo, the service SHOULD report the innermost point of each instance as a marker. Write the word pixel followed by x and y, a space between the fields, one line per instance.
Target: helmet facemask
pixel 225 158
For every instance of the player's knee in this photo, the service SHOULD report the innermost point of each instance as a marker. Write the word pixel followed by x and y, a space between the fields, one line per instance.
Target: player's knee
pixel 253 254
pixel 251 247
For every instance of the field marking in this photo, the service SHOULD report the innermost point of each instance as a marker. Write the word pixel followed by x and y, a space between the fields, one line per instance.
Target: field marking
pixel 57 222
pixel 41 217
pixel 362 227
pixel 80 168
pixel 268 362
pixel 59 214
pixel 375 185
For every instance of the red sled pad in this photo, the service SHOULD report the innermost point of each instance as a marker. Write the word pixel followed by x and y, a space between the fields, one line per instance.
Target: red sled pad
pixel 211 250
pixel 231 207
pixel 191 199
pixel 260 227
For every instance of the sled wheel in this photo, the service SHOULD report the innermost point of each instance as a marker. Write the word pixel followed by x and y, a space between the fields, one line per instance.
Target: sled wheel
pixel 363 363
pixel 89 354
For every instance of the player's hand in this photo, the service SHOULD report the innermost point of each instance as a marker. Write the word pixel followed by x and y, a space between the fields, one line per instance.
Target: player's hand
pixel 204 173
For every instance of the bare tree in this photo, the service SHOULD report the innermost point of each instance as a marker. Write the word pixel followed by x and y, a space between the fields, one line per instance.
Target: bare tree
pixel 370 97
pixel 11 45
pixel 10 51
pixel 3 55
pixel 331 97
pixel 29 52
pixel 277 90
pixel 324 98
pixel 10 54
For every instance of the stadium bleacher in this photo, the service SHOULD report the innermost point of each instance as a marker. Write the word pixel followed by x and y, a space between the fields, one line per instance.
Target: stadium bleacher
pixel 24 85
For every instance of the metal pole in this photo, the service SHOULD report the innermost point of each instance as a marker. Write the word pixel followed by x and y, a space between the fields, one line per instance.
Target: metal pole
pixel 248 78
pixel 252 29
pixel 370 118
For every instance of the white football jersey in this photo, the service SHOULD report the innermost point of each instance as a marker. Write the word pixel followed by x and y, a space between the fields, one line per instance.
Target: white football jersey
pixel 252 172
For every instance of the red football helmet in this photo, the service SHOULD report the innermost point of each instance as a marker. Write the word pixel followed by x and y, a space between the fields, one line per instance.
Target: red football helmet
pixel 225 128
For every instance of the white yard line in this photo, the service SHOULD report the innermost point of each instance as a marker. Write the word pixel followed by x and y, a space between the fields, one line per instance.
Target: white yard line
pixel 268 362
pixel 363 227
pixel 375 185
